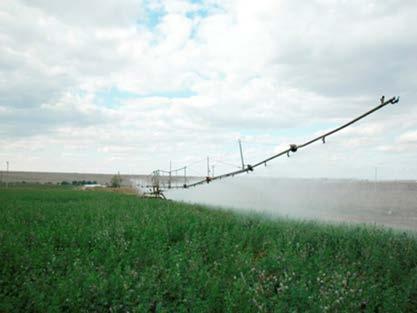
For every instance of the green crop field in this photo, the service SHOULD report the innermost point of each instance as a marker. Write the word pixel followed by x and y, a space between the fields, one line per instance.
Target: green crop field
pixel 75 251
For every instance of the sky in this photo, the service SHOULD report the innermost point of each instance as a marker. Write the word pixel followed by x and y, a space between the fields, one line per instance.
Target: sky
pixel 127 86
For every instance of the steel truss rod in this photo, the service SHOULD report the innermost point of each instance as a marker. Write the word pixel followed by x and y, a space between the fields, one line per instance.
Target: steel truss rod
pixel 171 171
pixel 293 147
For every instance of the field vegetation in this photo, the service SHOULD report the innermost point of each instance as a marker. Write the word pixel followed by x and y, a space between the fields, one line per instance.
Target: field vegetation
pixel 94 251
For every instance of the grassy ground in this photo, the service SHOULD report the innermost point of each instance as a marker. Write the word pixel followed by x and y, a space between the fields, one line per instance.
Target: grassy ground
pixel 67 250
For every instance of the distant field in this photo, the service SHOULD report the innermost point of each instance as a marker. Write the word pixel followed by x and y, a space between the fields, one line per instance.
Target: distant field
pixel 96 251
pixel 57 178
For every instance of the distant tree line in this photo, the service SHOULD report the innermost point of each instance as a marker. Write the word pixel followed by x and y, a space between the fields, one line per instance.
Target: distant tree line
pixel 79 182
pixel 116 181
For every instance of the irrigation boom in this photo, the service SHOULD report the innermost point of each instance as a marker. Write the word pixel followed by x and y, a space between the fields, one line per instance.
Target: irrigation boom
pixel 249 168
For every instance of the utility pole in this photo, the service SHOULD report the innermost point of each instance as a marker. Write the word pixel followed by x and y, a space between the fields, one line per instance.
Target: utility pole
pixel 185 175
pixel 241 154
pixel 169 179
pixel 208 167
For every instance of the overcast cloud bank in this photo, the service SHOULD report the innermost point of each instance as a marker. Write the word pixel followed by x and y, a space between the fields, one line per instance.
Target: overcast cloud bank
pixel 106 86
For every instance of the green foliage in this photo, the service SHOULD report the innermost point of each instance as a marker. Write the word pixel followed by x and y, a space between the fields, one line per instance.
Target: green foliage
pixel 116 181
pixel 67 250
pixel 79 182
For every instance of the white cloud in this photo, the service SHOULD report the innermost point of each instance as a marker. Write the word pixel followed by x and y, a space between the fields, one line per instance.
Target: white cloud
pixel 246 69
pixel 409 137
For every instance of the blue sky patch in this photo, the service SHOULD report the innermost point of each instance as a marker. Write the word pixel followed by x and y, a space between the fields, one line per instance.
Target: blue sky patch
pixel 113 97
pixel 185 93
pixel 153 18
pixel 197 13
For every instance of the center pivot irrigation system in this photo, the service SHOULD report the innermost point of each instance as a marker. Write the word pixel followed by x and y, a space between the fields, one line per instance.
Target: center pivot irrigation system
pixel 156 189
